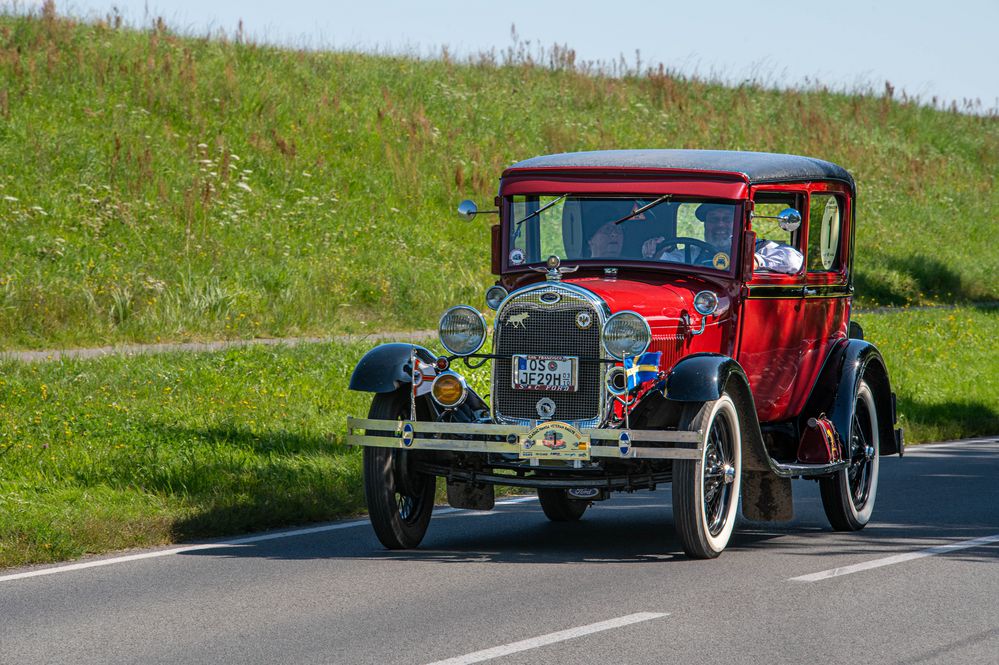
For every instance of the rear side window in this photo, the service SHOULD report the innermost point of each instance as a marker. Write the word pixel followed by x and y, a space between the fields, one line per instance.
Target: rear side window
pixel 825 221
pixel 769 205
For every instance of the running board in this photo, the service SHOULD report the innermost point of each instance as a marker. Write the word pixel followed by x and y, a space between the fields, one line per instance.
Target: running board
pixel 797 470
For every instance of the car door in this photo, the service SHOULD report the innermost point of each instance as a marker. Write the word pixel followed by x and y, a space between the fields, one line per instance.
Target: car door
pixel 827 293
pixel 771 346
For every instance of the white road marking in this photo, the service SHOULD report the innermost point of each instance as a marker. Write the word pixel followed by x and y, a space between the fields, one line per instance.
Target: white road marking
pixel 898 558
pixel 550 638
pixel 231 543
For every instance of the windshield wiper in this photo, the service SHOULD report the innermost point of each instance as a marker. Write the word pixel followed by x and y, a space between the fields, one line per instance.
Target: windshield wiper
pixel 635 213
pixel 539 211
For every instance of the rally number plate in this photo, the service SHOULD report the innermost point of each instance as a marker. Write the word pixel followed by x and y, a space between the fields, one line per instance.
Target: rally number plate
pixel 556 373
pixel 554 440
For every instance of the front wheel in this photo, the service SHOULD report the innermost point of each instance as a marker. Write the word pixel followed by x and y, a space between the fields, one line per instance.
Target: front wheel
pixel 706 490
pixel 559 507
pixel 848 496
pixel 400 499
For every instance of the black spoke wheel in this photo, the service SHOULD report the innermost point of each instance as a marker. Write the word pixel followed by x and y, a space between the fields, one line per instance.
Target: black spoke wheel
pixel 400 500
pixel 848 496
pixel 706 490
pixel 559 507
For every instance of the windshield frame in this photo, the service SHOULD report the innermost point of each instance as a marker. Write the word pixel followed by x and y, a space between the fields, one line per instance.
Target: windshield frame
pixel 507 232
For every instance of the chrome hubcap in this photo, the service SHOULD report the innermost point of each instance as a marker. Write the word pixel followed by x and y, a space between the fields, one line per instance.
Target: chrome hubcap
pixel 729 472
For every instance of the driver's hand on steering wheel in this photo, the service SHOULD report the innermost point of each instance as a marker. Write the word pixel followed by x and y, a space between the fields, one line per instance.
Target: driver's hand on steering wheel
pixel 650 246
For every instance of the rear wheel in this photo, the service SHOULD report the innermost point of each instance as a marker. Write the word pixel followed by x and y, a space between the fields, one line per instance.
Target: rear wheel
pixel 559 507
pixel 706 490
pixel 848 496
pixel 400 499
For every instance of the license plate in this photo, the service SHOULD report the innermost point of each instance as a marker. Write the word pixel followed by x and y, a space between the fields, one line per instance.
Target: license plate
pixel 556 373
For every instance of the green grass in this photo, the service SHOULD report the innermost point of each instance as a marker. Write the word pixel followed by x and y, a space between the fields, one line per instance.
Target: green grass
pixel 118 452
pixel 944 368
pixel 159 187
pixel 122 452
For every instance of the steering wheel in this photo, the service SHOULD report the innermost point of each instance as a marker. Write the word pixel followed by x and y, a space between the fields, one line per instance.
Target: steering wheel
pixel 708 250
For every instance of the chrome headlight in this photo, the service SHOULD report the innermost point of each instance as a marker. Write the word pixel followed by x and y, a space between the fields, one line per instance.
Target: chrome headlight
pixel 626 335
pixel 462 330
pixel 495 296
pixel 705 302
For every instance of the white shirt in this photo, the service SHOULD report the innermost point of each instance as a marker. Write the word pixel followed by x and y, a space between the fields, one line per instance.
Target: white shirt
pixel 777 257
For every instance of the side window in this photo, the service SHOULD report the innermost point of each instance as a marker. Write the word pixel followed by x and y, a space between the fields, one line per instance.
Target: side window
pixel 771 205
pixel 824 224
pixel 777 250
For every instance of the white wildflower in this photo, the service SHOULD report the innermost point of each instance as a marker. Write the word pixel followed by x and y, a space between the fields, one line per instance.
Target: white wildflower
pixel 242 185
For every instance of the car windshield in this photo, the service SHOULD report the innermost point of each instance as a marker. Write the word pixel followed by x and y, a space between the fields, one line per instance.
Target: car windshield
pixel 577 228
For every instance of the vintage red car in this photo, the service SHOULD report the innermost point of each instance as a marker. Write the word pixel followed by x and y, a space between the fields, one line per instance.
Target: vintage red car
pixel 664 315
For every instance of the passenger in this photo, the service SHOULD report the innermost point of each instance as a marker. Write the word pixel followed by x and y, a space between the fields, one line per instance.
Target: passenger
pixel 719 221
pixel 605 239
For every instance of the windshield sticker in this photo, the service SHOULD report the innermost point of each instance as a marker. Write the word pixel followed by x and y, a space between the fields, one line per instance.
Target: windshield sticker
pixel 720 261
pixel 634 209
pixel 516 257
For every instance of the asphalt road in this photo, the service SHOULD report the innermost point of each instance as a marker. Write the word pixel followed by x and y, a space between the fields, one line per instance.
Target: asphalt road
pixel 613 588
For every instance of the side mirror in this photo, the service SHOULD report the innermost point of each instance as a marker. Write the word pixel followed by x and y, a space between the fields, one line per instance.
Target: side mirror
pixel 467 210
pixel 789 220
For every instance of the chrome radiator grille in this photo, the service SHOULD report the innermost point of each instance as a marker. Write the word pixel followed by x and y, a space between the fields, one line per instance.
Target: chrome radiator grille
pixel 528 325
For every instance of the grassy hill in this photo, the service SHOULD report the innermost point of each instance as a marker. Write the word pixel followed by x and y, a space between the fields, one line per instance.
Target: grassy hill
pixel 159 187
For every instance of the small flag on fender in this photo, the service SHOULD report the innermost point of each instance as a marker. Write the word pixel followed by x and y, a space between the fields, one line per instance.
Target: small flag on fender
pixel 642 369
pixel 423 377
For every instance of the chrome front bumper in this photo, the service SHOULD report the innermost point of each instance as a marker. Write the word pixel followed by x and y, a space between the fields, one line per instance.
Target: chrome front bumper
pixel 488 438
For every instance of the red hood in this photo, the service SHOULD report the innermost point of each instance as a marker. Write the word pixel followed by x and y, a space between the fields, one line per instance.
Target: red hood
pixel 661 303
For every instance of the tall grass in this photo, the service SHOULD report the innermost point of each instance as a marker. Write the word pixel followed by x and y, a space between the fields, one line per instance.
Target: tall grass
pixel 154 186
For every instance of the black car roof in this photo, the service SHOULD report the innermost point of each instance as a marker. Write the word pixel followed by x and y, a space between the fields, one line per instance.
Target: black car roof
pixel 756 167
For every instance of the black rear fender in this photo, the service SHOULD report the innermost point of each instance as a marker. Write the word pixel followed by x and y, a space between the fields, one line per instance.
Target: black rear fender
pixel 835 392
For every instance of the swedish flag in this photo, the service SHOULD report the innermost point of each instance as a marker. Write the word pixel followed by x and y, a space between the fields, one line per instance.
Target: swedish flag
pixel 643 368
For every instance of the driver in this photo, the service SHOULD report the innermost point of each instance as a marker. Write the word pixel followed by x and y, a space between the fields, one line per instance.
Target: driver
pixel 718 223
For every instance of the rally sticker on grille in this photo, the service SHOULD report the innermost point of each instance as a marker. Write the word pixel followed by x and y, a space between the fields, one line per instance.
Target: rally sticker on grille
pixel 554 440
pixel 556 373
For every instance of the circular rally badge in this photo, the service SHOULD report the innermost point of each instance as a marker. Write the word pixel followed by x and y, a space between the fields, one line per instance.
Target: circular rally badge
pixel 720 261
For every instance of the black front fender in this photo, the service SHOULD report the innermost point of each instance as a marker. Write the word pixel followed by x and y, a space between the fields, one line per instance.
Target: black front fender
pixel 701 377
pixel 387 367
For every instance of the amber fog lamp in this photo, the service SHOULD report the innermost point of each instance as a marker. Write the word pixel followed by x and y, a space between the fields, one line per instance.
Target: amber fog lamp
pixel 626 335
pixel 705 302
pixel 462 330
pixel 449 389
pixel 495 296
